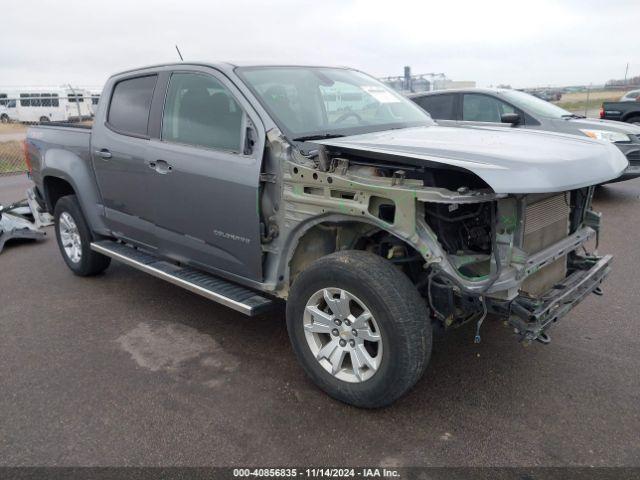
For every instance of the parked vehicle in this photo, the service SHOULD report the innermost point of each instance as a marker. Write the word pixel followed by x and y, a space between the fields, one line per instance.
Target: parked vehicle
pixel 46 105
pixel 515 109
pixel 7 109
pixel 4 113
pixel 631 96
pixel 372 222
pixel 621 111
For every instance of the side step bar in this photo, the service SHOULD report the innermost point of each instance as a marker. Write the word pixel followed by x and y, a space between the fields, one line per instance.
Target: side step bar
pixel 214 288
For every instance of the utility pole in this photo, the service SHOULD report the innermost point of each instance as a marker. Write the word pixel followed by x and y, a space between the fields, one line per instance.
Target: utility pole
pixel 77 101
pixel 586 105
pixel 626 71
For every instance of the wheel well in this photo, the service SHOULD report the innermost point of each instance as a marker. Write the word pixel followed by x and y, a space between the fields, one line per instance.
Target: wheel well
pixel 326 238
pixel 54 189
pixel 631 115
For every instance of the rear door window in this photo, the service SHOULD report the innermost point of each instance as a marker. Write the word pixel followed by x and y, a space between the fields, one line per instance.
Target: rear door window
pixel 130 105
pixel 440 107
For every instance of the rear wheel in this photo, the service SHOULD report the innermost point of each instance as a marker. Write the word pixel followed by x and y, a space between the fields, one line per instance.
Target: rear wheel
pixel 74 239
pixel 44 119
pixel 359 328
pixel 635 120
pixel 4 118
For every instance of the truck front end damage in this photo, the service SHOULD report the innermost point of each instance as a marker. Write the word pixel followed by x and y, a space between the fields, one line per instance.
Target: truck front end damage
pixel 536 269
pixel 469 251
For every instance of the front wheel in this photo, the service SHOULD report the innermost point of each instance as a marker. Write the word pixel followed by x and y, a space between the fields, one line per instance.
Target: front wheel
pixel 359 328
pixel 74 239
pixel 4 118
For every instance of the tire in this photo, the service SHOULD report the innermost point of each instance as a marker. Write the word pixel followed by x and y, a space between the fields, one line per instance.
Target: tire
pixel 400 319
pixel 44 119
pixel 71 227
pixel 635 120
pixel 4 118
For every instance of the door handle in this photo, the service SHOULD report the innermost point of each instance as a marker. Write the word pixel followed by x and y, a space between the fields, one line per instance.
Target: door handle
pixel 161 167
pixel 104 154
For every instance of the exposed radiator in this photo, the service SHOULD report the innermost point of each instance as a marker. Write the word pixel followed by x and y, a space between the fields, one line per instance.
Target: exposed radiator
pixel 546 221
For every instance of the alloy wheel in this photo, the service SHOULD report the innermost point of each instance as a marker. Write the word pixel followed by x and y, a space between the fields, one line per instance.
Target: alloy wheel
pixel 343 335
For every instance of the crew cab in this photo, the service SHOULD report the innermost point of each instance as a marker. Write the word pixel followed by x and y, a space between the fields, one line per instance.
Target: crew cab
pixel 321 187
pixel 515 109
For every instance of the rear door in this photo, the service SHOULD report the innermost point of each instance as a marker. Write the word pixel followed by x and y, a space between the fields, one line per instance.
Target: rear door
pixel 206 201
pixel 119 143
pixel 441 107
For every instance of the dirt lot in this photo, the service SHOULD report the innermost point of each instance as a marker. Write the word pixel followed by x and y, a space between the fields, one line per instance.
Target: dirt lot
pixel 125 369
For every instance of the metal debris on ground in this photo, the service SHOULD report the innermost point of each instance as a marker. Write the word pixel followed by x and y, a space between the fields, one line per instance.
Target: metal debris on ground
pixel 18 221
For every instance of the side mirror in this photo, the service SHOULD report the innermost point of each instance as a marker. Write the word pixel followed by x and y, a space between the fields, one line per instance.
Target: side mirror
pixel 512 118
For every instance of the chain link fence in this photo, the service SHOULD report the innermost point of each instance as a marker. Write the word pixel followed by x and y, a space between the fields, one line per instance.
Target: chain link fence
pixel 11 157
pixel 19 111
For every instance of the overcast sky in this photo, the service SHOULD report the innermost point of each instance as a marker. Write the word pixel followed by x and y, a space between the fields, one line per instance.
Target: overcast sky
pixel 535 43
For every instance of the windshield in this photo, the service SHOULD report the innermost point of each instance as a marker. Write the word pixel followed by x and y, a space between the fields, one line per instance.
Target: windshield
pixel 320 102
pixel 535 105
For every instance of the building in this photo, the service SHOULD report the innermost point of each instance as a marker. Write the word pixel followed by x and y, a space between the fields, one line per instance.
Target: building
pixel 424 82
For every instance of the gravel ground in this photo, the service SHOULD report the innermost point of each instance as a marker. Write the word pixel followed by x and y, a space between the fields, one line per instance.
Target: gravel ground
pixel 125 369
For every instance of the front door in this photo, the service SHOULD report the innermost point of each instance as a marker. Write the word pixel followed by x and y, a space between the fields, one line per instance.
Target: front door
pixel 119 152
pixel 484 110
pixel 206 202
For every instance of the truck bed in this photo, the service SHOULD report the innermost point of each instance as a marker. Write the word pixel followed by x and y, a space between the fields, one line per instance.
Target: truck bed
pixel 69 137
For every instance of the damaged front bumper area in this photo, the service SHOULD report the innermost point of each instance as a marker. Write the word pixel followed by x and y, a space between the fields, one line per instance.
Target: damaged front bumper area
pixel 532 317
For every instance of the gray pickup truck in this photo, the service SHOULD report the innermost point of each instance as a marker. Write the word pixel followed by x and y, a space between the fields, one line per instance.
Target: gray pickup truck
pixel 322 187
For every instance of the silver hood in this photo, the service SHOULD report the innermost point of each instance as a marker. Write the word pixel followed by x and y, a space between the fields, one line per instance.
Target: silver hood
pixel 509 161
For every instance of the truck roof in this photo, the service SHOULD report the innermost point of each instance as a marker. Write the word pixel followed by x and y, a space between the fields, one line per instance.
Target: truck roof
pixel 225 66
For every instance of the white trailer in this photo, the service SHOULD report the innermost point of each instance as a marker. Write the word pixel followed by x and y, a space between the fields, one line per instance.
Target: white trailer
pixel 30 105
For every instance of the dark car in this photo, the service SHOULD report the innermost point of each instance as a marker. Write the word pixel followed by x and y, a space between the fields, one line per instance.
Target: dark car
pixel 515 109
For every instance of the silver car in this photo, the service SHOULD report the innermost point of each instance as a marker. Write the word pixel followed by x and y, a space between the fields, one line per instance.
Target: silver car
pixel 630 96
pixel 515 109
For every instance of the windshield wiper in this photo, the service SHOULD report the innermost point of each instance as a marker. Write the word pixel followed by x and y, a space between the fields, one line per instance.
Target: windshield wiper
pixel 573 115
pixel 319 136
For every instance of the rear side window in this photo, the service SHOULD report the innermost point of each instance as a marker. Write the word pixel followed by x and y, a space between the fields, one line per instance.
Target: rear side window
pixel 200 111
pixel 130 105
pixel 440 107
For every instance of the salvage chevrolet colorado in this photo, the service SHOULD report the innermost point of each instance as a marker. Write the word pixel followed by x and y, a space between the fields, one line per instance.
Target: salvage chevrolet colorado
pixel 324 188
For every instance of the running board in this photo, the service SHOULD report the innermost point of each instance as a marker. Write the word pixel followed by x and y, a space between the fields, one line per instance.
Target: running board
pixel 214 288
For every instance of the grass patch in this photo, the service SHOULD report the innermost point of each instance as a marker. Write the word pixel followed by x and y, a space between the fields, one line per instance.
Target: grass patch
pixel 11 157
pixel 577 102
pixel 13 128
